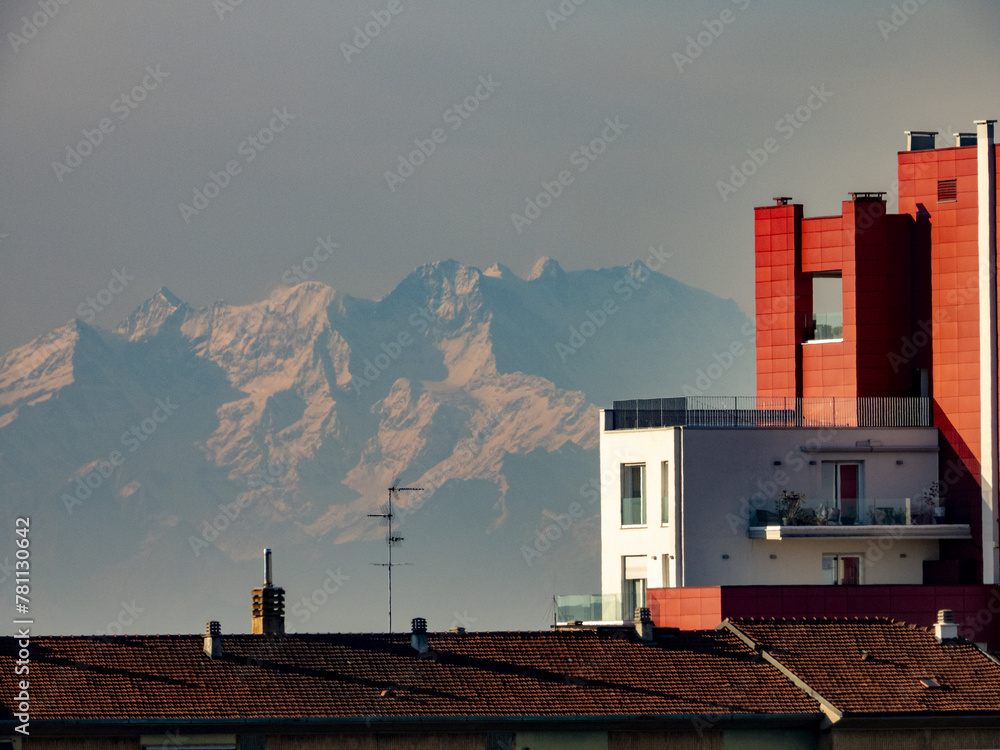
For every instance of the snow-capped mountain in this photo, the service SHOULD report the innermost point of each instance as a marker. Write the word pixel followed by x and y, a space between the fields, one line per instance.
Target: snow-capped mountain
pixel 158 459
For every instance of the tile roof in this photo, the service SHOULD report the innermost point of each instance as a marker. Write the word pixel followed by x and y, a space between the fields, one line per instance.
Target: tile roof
pixel 534 674
pixel 867 666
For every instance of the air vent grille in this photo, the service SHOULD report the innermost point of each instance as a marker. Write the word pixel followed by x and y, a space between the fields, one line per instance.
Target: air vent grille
pixel 947 191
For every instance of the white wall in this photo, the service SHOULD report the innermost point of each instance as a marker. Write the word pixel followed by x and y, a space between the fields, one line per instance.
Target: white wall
pixel 723 474
pixel 657 538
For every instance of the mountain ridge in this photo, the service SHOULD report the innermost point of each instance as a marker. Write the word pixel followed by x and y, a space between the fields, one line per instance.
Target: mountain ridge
pixel 288 419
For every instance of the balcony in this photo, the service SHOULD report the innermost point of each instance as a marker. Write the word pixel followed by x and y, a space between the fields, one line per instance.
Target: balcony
pixel 757 412
pixel 909 518
pixel 589 608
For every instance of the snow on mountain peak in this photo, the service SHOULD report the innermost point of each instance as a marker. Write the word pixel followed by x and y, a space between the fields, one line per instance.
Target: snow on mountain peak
pixel 149 317
pixel 168 297
pixel 33 372
pixel 499 271
pixel 545 267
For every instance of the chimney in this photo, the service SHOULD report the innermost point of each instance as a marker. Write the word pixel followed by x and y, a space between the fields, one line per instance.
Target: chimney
pixel 213 639
pixel 964 139
pixel 643 621
pixel 268 613
pixel 920 140
pixel 418 639
pixel 945 628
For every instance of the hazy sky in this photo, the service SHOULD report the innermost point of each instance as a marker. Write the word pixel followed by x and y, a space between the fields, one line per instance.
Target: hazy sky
pixel 182 86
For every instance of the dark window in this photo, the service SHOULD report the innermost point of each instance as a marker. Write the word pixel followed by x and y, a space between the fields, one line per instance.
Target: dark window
pixel 947 191
pixel 500 741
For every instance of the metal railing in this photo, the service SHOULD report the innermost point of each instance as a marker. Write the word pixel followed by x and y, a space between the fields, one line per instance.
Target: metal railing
pixel 769 411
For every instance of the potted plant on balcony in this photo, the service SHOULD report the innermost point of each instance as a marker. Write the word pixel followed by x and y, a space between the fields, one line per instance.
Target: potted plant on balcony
pixel 934 502
pixel 789 507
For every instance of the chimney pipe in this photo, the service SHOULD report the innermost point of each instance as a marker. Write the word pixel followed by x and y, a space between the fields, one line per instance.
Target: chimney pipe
pixel 964 139
pixel 268 605
pixel 418 639
pixel 213 639
pixel 945 628
pixel 643 621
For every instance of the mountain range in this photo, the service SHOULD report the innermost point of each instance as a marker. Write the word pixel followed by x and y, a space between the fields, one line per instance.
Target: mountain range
pixel 158 459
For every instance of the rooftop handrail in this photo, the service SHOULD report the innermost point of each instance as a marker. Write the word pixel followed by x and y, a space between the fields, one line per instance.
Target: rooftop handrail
pixel 769 411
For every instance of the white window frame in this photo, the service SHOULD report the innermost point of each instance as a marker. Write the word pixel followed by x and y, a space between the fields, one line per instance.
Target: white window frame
pixel 628 586
pixel 665 493
pixel 643 509
pixel 838 571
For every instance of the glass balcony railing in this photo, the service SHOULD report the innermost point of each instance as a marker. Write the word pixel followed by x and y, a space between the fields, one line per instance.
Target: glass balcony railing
pixel 588 607
pixel 870 511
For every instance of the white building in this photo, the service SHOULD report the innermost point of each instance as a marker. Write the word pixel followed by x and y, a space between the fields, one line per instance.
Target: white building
pixel 692 496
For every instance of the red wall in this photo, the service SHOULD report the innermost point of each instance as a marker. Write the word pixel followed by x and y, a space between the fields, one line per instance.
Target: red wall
pixel 976 607
pixel 949 230
pixel 954 287
pixel 783 300
pixel 871 250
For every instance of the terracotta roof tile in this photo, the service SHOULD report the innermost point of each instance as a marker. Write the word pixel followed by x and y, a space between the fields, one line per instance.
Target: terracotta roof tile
pixel 568 673
pixel 875 665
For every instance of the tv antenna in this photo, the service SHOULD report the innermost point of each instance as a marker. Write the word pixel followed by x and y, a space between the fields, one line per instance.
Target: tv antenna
pixel 391 541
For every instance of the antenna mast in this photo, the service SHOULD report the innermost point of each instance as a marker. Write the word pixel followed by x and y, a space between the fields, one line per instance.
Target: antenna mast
pixel 391 541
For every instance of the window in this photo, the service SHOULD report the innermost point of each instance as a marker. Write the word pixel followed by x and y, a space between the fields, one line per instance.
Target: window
pixel 828 307
pixel 665 494
pixel 841 570
pixel 843 484
pixel 666 570
pixel 633 494
pixel 634 584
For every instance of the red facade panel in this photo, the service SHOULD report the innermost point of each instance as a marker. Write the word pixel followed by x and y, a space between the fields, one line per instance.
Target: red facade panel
pixel 976 607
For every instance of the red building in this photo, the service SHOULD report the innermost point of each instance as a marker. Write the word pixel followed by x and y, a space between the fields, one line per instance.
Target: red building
pixel 870 304
pixel 861 311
